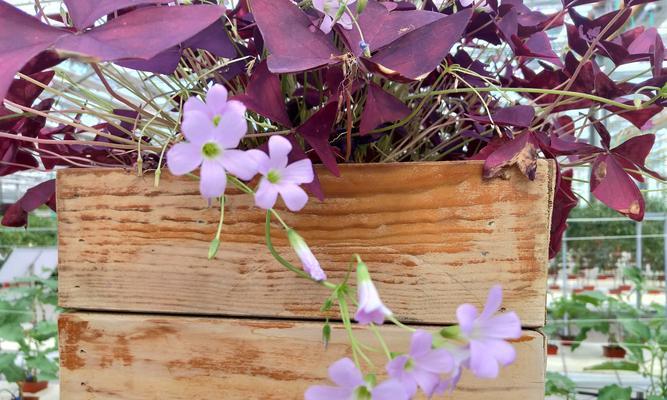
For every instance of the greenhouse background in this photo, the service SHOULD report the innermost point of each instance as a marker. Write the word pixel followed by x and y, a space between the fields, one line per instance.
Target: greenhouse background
pixel 623 262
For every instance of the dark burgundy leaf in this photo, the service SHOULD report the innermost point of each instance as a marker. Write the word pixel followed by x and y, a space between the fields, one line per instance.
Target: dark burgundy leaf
pixel 293 47
pixel 164 63
pixel 520 116
pixel 522 152
pixel 44 193
pixel 382 27
pixel 602 131
pixel 264 96
pixel 638 118
pixel 143 33
pixel 213 39
pixel 22 37
pixel 85 12
pixel 564 201
pixel 416 54
pixel 44 60
pixel 613 186
pixel 25 93
pixel 317 130
pixel 381 107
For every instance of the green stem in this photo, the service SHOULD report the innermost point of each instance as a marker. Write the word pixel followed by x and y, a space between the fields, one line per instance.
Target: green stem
pixel 356 349
pixel 380 339
pixel 531 90
pixel 400 324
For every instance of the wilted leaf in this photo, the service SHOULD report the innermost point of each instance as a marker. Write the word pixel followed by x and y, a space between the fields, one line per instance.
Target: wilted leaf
pixel 522 152
pixel 613 186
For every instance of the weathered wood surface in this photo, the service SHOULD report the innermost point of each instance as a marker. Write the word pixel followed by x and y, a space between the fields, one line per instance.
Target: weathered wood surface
pixel 132 357
pixel 433 234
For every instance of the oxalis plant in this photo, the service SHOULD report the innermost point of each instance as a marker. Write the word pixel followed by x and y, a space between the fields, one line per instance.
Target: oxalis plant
pixel 259 90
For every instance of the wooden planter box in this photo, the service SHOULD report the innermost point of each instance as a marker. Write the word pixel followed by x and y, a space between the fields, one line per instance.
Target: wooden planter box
pixel 157 319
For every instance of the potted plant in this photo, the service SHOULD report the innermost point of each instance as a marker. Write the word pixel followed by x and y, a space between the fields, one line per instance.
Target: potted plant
pixel 29 304
pixel 215 137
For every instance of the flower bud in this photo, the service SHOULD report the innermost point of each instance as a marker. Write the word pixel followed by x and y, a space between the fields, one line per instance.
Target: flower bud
pixel 308 260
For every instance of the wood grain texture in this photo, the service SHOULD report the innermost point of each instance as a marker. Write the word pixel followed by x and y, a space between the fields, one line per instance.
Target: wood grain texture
pixel 136 357
pixel 433 234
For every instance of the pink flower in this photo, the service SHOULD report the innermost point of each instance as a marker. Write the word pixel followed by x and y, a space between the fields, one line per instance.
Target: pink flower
pixel 308 260
pixel 371 308
pixel 487 333
pixel 213 131
pixel 422 366
pixel 350 385
pixel 330 9
pixel 280 178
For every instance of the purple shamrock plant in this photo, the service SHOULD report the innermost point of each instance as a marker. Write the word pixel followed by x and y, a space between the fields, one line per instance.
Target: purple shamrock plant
pixel 291 84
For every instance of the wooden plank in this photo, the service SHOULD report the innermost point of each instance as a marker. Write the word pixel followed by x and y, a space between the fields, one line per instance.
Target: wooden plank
pixel 433 234
pixel 133 357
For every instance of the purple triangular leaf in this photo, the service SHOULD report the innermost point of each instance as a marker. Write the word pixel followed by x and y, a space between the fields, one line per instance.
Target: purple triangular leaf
pixel 381 107
pixel 143 33
pixel 22 37
pixel 416 54
pixel 564 201
pixel 293 47
pixel 44 193
pixel 264 96
pixel 520 116
pixel 85 12
pixel 638 118
pixel 613 186
pixel 382 27
pixel 317 130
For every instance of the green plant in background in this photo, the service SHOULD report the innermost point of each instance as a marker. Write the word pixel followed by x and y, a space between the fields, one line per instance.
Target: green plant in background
pixel 26 306
pixel 559 385
pixel 41 232
pixel 641 333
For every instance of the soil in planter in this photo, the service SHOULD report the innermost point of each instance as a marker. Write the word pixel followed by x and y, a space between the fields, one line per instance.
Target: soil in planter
pixel 552 349
pixel 613 351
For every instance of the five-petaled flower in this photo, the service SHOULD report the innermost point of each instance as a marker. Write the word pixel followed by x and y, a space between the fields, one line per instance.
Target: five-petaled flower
pixel 280 178
pixel 370 309
pixel 350 385
pixel 331 9
pixel 213 131
pixel 422 366
pixel 487 334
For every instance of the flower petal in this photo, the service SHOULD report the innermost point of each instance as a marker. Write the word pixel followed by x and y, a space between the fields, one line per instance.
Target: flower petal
pixel 327 24
pixel 389 390
pixel 327 393
pixel 184 157
pixel 427 381
pixel 501 350
pixel 266 195
pixel 502 326
pixel 216 99
pixel 294 197
pixel 233 125
pixel 213 180
pixel 466 315
pixel 421 343
pixel 261 160
pixel 482 362
pixel 197 127
pixel 279 149
pixel 299 172
pixel 436 361
pixel 345 374
pixel 194 104
pixel 493 302
pixel 239 163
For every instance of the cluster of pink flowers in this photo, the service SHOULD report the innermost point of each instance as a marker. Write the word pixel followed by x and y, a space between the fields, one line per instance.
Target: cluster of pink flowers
pixel 213 130
pixel 481 346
